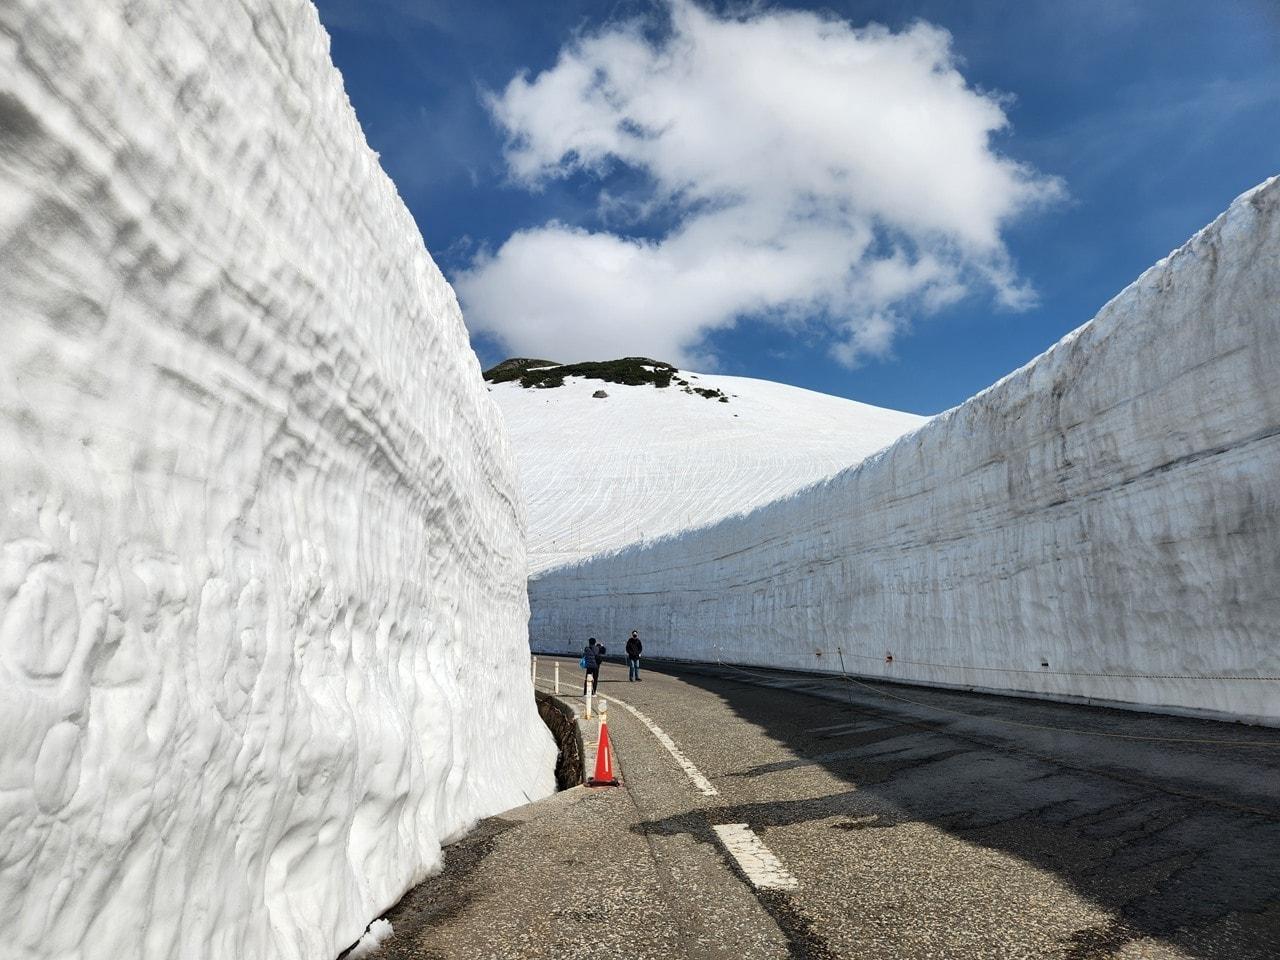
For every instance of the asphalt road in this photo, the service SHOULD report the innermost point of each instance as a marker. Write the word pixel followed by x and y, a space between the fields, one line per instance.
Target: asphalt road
pixel 913 822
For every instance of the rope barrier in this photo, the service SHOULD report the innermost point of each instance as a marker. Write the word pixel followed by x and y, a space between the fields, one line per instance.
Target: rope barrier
pixel 1045 672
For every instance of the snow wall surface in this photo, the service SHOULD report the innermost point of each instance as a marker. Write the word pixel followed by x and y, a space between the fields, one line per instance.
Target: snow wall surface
pixel 1111 510
pixel 643 463
pixel 257 512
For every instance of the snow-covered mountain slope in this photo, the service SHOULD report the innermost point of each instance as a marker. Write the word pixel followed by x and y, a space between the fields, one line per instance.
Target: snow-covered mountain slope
pixel 257 511
pixel 1103 523
pixel 646 462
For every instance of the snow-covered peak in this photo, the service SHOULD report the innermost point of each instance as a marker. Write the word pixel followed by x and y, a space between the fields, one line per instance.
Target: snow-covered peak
pixel 599 473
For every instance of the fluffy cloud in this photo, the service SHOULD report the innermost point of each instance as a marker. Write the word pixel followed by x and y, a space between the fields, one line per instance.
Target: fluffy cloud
pixel 807 171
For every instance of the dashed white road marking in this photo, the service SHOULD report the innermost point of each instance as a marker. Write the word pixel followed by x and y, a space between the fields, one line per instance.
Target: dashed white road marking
pixel 757 861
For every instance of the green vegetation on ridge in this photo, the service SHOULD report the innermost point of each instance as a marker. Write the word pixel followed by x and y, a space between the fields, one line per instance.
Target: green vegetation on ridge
pixel 632 371
pixel 514 368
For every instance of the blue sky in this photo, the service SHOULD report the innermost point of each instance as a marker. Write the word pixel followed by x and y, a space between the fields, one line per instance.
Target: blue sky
pixel 953 194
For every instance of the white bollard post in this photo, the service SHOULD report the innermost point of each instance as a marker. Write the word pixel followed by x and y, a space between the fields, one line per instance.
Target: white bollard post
pixel 587 698
pixel 557 681
pixel 535 671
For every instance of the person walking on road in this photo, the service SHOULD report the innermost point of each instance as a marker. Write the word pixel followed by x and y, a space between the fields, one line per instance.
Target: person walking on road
pixel 634 648
pixel 592 654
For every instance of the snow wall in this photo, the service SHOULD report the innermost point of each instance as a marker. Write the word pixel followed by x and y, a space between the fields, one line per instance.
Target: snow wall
pixel 257 511
pixel 1103 523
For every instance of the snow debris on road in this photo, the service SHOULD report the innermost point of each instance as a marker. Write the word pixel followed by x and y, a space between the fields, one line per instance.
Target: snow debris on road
pixel 371 942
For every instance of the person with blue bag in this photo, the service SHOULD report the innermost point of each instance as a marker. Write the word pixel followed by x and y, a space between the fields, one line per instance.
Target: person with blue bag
pixel 592 655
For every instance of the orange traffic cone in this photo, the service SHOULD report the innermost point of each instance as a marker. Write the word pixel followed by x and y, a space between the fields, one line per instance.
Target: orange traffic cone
pixel 604 760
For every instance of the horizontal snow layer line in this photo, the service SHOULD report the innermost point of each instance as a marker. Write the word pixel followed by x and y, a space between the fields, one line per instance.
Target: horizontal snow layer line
pixel 1068 505
pixel 1110 510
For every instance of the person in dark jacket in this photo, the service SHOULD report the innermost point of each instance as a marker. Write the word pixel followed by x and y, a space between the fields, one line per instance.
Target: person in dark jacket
pixel 634 648
pixel 592 654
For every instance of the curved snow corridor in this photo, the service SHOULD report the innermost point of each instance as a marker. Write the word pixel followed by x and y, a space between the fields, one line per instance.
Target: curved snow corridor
pixel 1103 523
pixel 257 514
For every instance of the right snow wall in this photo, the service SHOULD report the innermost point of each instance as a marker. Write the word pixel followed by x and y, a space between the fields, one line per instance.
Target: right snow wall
pixel 1102 524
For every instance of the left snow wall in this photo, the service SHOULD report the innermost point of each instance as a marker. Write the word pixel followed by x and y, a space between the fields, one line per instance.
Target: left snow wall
pixel 257 512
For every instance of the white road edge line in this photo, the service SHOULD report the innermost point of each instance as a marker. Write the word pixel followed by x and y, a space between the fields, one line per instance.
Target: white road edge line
pixel 757 861
pixel 692 772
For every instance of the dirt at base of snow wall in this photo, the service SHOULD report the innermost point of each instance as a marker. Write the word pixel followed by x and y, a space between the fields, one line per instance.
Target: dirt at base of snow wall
pixel 1104 523
pixel 563 724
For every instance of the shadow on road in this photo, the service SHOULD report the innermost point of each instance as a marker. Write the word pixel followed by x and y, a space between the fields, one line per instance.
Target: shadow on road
pixel 1178 841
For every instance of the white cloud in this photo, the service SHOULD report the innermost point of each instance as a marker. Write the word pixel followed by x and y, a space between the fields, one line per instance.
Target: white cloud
pixel 818 172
